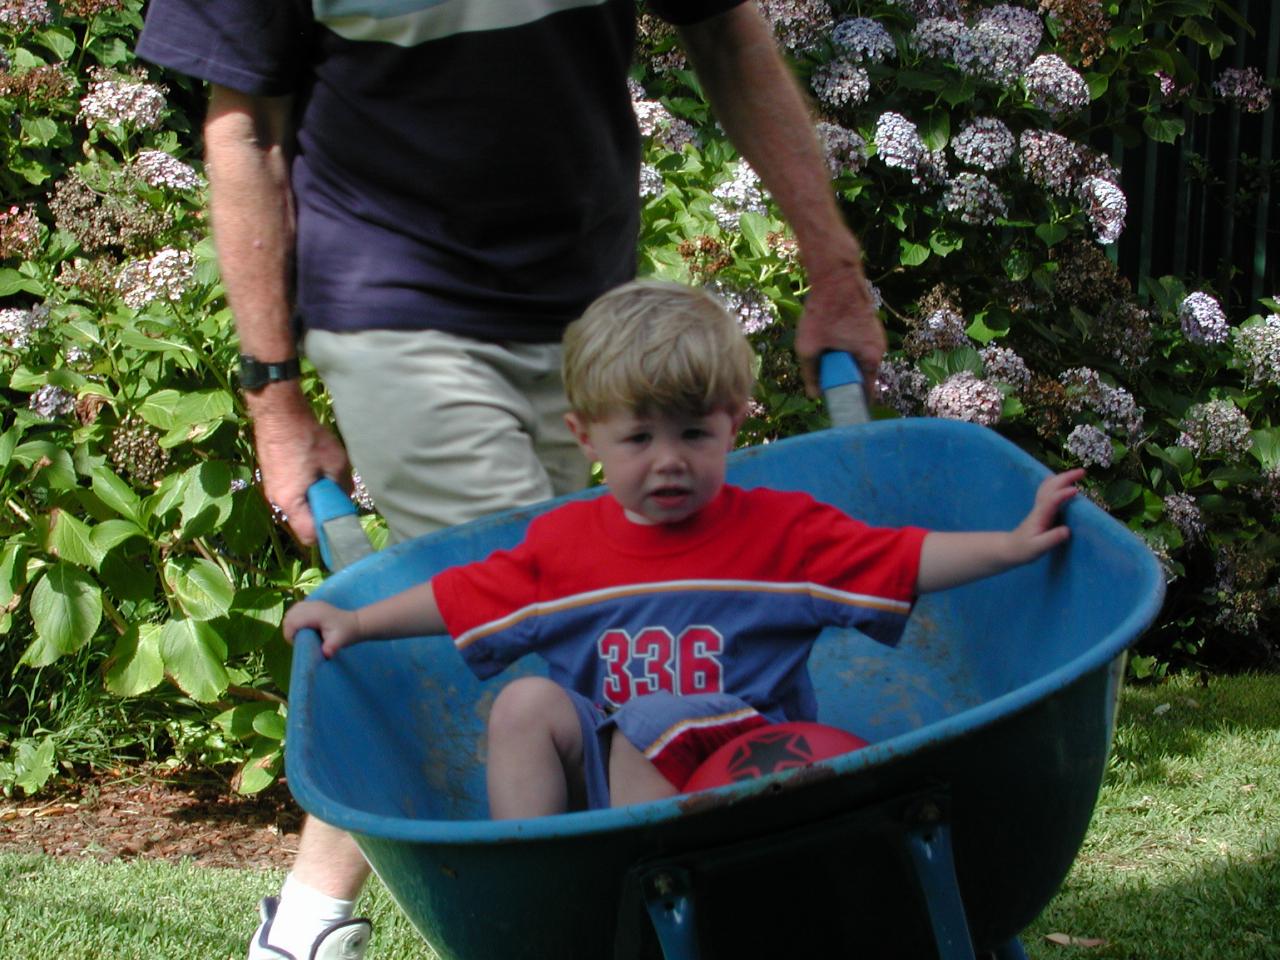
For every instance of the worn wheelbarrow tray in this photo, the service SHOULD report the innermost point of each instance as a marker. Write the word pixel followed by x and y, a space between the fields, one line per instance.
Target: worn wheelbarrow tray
pixel 990 726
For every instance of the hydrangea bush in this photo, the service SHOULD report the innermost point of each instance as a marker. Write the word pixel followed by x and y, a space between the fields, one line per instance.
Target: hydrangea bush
pixel 135 545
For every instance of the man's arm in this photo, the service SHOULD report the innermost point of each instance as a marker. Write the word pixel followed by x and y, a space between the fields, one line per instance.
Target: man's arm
pixel 247 141
pixel 760 106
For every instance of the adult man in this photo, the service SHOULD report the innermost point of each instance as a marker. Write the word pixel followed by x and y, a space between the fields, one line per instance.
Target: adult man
pixel 431 190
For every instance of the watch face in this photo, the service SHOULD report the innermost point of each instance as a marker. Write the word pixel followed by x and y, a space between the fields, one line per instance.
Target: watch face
pixel 254 373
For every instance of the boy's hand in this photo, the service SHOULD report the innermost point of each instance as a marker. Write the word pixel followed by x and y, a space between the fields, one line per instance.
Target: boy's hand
pixel 338 628
pixel 1039 531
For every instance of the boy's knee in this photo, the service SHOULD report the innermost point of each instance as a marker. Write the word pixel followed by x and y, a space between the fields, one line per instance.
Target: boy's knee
pixel 529 701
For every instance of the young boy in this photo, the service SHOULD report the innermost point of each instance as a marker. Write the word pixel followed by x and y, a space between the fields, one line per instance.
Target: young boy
pixel 678 611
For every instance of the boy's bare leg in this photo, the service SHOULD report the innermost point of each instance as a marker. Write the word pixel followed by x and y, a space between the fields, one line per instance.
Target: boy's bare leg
pixel 632 778
pixel 328 860
pixel 535 751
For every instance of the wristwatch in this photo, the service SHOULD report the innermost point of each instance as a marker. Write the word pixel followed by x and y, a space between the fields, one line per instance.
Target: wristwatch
pixel 255 374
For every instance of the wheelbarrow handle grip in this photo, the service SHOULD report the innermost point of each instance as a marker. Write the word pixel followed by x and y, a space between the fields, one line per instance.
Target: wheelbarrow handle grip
pixel 341 539
pixel 841 383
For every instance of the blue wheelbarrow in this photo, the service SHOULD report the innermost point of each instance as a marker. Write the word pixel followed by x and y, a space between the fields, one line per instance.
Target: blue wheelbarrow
pixel 990 726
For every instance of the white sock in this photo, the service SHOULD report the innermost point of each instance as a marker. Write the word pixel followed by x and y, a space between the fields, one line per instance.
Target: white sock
pixel 303 914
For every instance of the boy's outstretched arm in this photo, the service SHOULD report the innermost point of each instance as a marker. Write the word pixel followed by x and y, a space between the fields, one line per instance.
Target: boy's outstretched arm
pixel 410 613
pixel 950 559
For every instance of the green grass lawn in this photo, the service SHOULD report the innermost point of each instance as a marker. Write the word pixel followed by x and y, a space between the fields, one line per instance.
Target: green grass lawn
pixel 1182 860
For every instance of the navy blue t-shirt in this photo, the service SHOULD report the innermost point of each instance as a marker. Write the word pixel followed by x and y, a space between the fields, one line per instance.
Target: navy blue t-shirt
pixel 463 165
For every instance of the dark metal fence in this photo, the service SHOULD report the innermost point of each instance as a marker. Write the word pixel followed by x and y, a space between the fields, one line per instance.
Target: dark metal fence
pixel 1206 208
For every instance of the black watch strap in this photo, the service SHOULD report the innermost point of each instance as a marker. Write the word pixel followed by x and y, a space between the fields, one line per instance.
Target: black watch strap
pixel 255 374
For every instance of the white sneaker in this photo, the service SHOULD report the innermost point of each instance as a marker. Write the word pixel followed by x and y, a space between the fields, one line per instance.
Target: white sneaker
pixel 345 940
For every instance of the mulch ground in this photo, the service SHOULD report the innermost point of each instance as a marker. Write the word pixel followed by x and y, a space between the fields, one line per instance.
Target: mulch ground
pixel 157 814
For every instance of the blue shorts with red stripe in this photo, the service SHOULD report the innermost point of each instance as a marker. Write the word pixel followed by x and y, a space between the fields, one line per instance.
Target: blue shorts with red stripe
pixel 675 733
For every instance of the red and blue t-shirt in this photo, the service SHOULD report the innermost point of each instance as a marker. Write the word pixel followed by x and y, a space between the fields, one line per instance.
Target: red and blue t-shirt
pixel 729 601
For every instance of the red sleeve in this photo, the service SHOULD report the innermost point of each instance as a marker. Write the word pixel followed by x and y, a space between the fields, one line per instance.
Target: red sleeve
pixel 487 590
pixel 849 555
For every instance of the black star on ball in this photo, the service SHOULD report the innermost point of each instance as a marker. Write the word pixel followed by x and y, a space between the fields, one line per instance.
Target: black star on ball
pixel 768 752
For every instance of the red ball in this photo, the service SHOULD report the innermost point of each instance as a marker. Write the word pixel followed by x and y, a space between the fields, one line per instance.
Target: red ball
pixel 769 749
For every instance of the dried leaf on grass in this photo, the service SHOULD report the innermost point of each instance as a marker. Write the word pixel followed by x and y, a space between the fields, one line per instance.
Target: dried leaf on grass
pixel 1066 940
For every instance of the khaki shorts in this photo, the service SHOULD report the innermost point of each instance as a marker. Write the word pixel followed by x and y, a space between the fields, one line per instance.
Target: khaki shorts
pixel 443 429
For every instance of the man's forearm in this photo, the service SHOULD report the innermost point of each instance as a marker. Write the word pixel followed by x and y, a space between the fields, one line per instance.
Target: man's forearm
pixel 760 106
pixel 246 144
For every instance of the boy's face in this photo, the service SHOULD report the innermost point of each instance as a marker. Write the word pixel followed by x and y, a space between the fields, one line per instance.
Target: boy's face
pixel 662 467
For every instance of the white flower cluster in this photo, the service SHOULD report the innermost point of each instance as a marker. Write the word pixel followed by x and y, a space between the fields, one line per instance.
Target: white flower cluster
pixel 932 169
pixel 922 9
pixel 1202 319
pixel 123 102
pixel 944 39
pixel 1004 366
pixel 984 142
pixel 974 199
pixel 755 312
pixel 159 169
pixel 898 142
pixel 651 181
pixel 20 14
pixel 1185 514
pixel 863 39
pixel 902 386
pixel 1050 160
pixel 1257 349
pixel 657 122
pixel 1216 428
pixel 743 194
pixel 17 325
pixel 51 401
pixel 962 396
pixel 1054 87
pixel 166 276
pixel 1090 445
pixel 1004 41
pixel 1105 206
pixel 840 84
pixel 845 150
pixel 1245 88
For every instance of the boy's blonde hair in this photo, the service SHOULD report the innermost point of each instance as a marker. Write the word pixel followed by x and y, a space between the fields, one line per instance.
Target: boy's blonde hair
pixel 650 346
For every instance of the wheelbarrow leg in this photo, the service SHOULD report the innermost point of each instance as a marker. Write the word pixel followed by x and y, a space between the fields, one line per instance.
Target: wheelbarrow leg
pixel 668 895
pixel 1010 951
pixel 928 841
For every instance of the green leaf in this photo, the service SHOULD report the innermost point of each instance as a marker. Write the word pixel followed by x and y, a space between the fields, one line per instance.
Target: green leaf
pixel 116 494
pixel 13 571
pixel 1266 446
pixel 200 587
pixel 194 657
pixel 1163 129
pixel 49 462
pixel 11 282
pixel 207 500
pixel 38 131
pixel 943 242
pixel 160 409
pixel 1052 233
pixel 59 40
pixel 935 131
pixel 270 725
pixel 33 766
pixel 66 608
pixel 912 254
pixel 755 228
pixel 111 533
pixel 1017 264
pixel 71 540
pixel 136 665
pixel 241 721
pixel 260 770
pixel 1121 493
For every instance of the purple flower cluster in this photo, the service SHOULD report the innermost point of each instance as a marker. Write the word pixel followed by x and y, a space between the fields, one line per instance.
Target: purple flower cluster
pixel 923 9
pixel 1185 514
pixel 1054 87
pixel 1245 88
pixel 944 39
pixel 1090 445
pixel 20 14
pixel 963 396
pixel 1257 349
pixel 984 142
pixel 755 312
pixel 124 102
pixel 1005 39
pixel 799 25
pixel 1216 428
pixel 845 150
pixel 51 401
pixel 1004 366
pixel 651 181
pixel 19 232
pixel 1050 160
pixel 1115 406
pixel 657 122
pixel 902 386
pixel 1202 319
pixel 863 39
pixel 840 84
pixel 898 142
pixel 974 199
pixel 940 329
